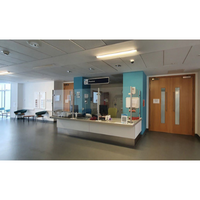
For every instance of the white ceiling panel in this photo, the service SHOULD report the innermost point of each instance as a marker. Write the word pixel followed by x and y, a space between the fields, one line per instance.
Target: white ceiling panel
pixel 3 62
pixel 65 45
pixel 138 62
pixel 10 59
pixel 153 60
pixel 193 57
pixel 89 44
pixel 14 54
pixel 175 56
pixel 43 48
pixel 86 67
pixel 118 61
pixel 2 65
pixel 109 42
pixel 11 45
pixel 103 66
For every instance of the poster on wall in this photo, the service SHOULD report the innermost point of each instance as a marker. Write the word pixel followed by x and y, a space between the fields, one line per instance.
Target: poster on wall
pixel 36 99
pixel 42 100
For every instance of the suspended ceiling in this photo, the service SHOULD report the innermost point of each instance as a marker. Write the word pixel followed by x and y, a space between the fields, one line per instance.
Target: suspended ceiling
pixel 54 58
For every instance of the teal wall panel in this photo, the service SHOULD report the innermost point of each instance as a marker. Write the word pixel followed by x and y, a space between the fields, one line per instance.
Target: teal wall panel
pixel 83 89
pixel 138 80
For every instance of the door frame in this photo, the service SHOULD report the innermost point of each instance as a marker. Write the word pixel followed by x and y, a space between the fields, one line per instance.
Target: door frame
pixel 195 95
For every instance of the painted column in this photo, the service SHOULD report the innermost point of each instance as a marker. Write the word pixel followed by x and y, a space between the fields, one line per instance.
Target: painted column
pixel 138 80
pixel 81 91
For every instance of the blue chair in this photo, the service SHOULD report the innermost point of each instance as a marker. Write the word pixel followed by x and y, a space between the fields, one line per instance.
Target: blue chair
pixel 40 114
pixel 1 110
pixel 20 113
pixel 6 113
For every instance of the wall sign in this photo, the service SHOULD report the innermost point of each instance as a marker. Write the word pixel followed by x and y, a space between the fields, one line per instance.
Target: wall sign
pixel 156 101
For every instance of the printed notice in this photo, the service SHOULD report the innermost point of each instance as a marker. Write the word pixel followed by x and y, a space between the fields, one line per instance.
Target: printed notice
pixel 157 101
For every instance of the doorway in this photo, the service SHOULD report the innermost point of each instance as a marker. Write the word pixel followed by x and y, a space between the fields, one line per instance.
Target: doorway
pixel 171 104
pixel 68 95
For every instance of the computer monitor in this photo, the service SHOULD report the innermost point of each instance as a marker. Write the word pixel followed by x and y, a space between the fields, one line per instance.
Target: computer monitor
pixel 103 109
pixel 75 108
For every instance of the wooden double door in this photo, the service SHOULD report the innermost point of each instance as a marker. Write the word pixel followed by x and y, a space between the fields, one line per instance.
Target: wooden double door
pixel 171 104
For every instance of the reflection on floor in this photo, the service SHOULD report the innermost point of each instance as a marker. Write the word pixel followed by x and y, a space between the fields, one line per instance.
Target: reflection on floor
pixel 39 141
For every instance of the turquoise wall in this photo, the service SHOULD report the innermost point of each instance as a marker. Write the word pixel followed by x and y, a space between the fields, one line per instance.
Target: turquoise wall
pixel 138 80
pixel 83 89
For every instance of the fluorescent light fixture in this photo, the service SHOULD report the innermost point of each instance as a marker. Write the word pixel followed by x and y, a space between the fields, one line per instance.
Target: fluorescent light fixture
pixel 3 72
pixel 116 54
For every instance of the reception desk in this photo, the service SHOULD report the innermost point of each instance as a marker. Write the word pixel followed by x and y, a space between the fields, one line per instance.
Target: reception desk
pixel 113 131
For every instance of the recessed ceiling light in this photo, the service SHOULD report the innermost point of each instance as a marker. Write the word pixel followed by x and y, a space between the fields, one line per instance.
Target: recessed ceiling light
pixel 91 68
pixel 68 71
pixel 116 54
pixel 5 52
pixel 4 72
pixel 33 44
pixel 117 65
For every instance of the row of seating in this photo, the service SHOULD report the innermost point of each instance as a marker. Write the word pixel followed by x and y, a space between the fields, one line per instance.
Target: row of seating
pixel 21 113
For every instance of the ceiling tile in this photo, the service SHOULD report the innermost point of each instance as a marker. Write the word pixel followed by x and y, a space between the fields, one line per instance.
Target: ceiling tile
pixel 118 61
pixel 86 67
pixel 11 45
pixel 193 57
pixel 89 44
pixel 103 66
pixel 44 48
pixel 108 42
pixel 10 59
pixel 65 45
pixel 4 62
pixel 153 60
pixel 14 54
pixel 138 62
pixel 175 56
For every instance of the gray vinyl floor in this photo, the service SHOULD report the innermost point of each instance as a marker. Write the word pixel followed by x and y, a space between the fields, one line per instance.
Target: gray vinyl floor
pixel 31 140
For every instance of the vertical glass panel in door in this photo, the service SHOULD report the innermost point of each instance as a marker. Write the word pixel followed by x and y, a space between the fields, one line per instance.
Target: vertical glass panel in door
pixel 162 105
pixel 177 106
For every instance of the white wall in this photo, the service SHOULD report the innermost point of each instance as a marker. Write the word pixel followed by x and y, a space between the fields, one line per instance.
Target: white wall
pixel 28 92
pixel 14 99
pixel 197 99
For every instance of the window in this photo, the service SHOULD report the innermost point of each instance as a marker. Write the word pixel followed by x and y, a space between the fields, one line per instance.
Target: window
pixel 5 96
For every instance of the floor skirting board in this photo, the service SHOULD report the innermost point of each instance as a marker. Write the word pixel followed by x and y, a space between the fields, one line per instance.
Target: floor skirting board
pixel 115 140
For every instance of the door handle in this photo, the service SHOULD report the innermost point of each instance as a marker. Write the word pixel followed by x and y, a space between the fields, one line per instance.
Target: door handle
pixel 174 101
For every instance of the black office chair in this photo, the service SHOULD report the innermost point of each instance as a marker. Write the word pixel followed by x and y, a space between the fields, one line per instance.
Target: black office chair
pixel 103 109
pixel 75 108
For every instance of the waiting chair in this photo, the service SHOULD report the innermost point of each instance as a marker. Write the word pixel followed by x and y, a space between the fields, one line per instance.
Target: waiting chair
pixel 40 114
pixel 20 113
pixel 112 112
pixel 1 110
pixel 6 113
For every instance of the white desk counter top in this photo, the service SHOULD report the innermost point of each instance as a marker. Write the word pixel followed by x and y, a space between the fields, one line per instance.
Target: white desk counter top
pixel 114 121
